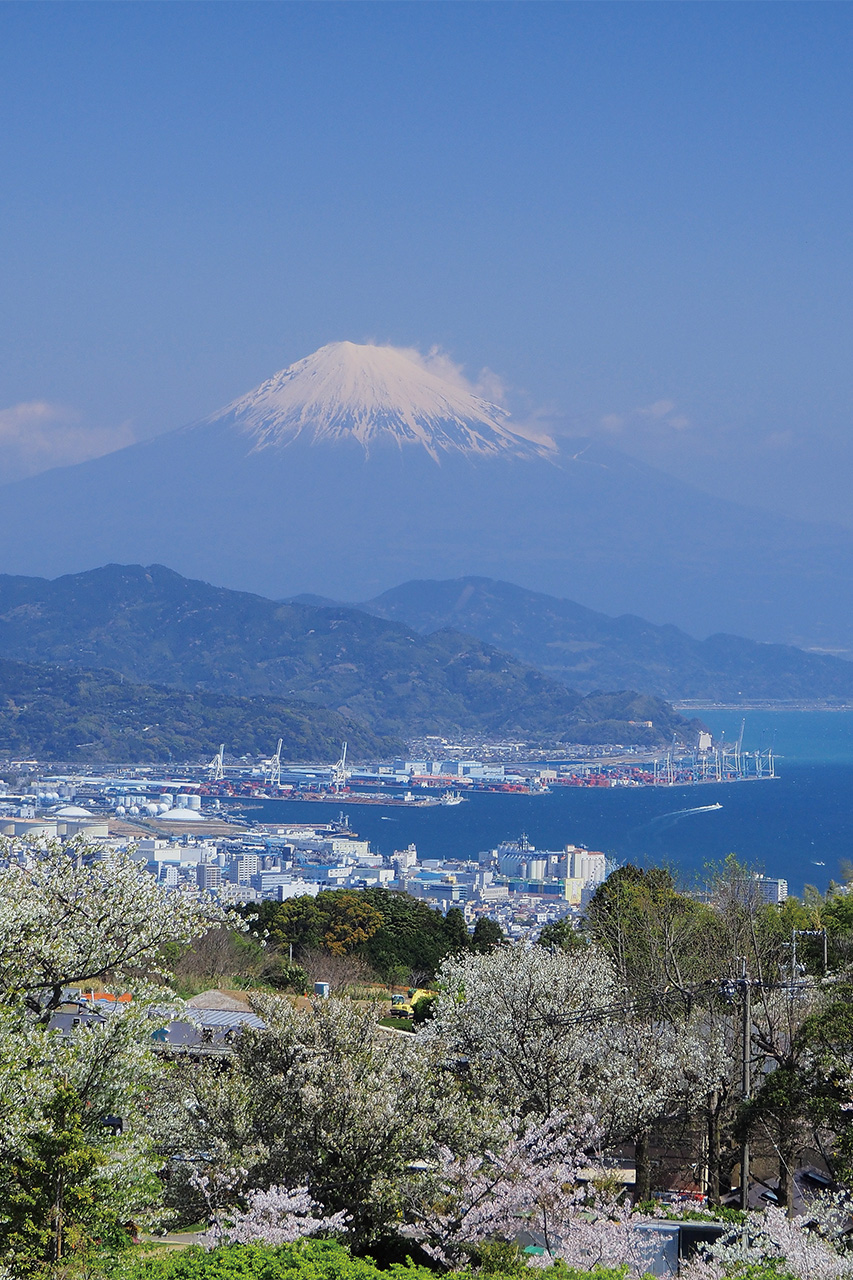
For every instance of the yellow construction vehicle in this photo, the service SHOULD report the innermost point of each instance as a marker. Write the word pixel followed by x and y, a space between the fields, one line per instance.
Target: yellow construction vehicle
pixel 403 1006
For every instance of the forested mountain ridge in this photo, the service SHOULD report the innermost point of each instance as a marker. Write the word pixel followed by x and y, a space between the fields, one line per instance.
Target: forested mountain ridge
pixel 587 650
pixel 69 714
pixel 152 625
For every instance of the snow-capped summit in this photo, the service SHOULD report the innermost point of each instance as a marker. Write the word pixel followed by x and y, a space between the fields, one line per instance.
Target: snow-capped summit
pixel 294 489
pixel 372 394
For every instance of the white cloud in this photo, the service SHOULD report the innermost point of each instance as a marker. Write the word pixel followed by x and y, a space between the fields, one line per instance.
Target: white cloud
pixel 613 422
pixel 659 409
pixel 646 420
pixel 37 435
pixel 535 425
pixel 488 385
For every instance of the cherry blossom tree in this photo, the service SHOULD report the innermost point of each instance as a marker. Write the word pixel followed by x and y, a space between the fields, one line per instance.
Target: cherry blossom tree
pixel 802 1246
pixel 525 1180
pixel 70 916
pixel 274 1217
pixel 541 1032
pixel 536 1181
pixel 73 914
pixel 527 1023
pixel 324 1098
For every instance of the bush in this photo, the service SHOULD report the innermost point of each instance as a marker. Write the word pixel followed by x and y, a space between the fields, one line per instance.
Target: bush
pixel 423 1008
pixel 304 1260
pixel 320 1260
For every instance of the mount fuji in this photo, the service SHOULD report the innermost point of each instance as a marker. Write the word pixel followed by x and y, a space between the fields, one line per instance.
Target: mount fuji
pixel 361 467
pixel 374 396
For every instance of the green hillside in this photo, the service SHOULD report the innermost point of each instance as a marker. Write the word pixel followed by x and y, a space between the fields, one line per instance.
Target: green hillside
pixel 67 714
pixel 153 626
pixel 587 650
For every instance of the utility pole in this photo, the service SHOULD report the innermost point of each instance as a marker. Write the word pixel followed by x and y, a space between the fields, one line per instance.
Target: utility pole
pixel 746 1079
pixel 798 970
pixel 731 989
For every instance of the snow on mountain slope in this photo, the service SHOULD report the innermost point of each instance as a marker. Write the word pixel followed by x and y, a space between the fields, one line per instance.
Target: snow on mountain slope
pixel 351 503
pixel 370 394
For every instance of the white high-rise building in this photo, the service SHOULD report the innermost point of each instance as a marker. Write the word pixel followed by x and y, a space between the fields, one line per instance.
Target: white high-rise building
pixel 586 865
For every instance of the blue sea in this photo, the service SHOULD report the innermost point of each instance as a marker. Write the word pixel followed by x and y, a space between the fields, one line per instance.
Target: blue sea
pixel 798 826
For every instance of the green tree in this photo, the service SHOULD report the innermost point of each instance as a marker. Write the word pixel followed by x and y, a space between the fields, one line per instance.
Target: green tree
pixel 349 921
pixel 487 934
pixel 413 939
pixel 66 917
pixel 51 1201
pixel 423 1008
pixel 322 1098
pixel 339 921
pixel 456 930
pixel 399 937
pixel 660 940
pixel 562 934
pixel 69 915
pixel 825 1042
pixel 837 918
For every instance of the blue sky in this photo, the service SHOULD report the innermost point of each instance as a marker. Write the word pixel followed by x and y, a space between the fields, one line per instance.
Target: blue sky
pixel 638 215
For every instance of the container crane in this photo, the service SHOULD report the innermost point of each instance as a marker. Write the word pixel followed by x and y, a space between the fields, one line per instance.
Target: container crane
pixel 274 778
pixel 340 774
pixel 217 765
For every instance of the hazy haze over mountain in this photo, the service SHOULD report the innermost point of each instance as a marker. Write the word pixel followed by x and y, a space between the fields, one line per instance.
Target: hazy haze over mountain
pixel 588 650
pixel 361 467
pixel 150 624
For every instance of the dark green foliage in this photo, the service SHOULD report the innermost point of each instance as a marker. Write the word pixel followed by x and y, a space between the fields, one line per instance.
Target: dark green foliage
pixel 660 940
pixel 456 930
pixel 562 934
pixel 329 1260
pixel 487 934
pixel 287 977
pixel 403 936
pixel 58 713
pixel 153 625
pixel 500 1258
pixel 422 1009
pixel 414 938
pixel 51 1209
pixel 825 1044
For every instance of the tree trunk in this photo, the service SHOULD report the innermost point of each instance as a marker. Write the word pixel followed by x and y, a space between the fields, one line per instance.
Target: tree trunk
pixel 712 1189
pixel 57 1225
pixel 643 1166
pixel 786 1180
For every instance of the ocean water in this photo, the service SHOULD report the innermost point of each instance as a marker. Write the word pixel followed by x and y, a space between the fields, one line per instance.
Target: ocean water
pixel 802 737
pixel 798 826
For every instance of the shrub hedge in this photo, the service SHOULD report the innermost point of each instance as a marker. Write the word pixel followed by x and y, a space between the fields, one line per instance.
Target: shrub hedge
pixel 304 1260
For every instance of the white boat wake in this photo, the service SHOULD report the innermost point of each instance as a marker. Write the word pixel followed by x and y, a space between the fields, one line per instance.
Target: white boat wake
pixel 665 820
